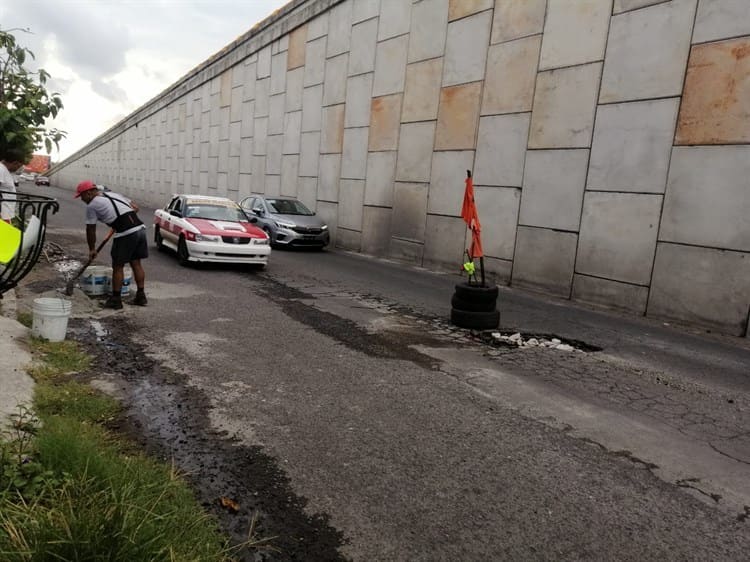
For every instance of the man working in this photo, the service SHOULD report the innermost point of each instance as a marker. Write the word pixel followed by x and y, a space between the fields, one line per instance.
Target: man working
pixel 129 244
pixel 11 161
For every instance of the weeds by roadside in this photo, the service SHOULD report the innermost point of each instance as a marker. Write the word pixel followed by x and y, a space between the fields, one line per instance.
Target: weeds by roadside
pixel 71 490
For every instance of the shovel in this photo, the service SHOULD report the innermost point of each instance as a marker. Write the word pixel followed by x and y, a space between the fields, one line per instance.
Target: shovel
pixel 72 280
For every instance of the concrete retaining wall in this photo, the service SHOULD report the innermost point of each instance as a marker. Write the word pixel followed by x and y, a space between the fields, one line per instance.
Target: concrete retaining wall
pixel 608 139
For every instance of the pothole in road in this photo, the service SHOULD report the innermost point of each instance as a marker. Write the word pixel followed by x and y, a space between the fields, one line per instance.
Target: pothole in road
pixel 512 339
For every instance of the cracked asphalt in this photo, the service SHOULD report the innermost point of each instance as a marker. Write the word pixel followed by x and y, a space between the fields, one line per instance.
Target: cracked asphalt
pixel 331 386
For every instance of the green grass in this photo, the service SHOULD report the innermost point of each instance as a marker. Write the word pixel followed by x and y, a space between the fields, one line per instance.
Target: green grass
pixel 72 490
pixel 25 318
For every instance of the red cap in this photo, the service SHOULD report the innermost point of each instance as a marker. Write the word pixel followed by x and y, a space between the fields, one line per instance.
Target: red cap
pixel 84 186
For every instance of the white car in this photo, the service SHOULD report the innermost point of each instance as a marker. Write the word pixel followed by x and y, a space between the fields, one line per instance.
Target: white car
pixel 202 228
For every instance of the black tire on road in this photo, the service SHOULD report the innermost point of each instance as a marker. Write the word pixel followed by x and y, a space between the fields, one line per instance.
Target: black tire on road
pixel 476 294
pixel 183 255
pixel 475 320
pixel 472 306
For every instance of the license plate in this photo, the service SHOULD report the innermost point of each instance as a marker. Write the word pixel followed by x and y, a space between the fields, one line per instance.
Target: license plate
pixel 309 237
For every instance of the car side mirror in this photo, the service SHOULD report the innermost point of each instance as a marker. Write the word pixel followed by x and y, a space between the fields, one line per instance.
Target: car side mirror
pixel 175 213
pixel 258 210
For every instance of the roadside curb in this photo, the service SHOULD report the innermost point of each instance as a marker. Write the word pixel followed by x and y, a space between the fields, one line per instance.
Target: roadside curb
pixel 16 386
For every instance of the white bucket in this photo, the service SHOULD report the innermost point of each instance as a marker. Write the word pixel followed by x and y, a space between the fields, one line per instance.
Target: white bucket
pixel 94 280
pixel 50 318
pixel 127 278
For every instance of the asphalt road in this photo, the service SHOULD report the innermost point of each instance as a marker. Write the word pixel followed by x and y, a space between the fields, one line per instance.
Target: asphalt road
pixel 396 437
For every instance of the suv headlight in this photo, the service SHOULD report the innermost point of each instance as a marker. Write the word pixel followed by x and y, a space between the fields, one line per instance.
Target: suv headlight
pixel 324 227
pixel 284 224
pixel 207 238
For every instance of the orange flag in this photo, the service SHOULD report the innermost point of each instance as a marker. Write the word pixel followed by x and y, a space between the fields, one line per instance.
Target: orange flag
pixel 471 218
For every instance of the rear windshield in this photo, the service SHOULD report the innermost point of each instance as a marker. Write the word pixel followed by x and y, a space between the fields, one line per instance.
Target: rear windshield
pixel 288 207
pixel 215 212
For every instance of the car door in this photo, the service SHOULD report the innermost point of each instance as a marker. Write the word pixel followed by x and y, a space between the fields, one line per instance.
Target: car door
pixel 172 229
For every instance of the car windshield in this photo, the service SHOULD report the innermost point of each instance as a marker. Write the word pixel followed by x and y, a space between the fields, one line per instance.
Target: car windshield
pixel 289 207
pixel 215 212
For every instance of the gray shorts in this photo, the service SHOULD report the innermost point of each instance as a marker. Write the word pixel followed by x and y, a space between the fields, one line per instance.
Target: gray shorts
pixel 130 248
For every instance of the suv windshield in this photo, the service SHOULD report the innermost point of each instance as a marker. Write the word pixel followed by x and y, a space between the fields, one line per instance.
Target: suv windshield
pixel 288 207
pixel 215 212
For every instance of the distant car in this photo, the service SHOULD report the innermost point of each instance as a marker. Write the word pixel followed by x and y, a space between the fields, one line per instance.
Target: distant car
pixel 201 228
pixel 287 221
pixel 41 180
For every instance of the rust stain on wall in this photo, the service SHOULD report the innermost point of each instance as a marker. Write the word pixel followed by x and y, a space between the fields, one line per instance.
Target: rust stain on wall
pixel 385 117
pixel 297 45
pixel 716 98
pixel 458 117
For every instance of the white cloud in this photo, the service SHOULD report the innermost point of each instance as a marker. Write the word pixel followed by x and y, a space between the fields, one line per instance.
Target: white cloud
pixel 108 57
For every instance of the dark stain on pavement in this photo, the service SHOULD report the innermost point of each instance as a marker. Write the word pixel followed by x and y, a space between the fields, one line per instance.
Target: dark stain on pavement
pixel 170 420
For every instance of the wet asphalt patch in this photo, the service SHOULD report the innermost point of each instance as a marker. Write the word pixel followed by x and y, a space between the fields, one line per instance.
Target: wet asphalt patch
pixel 169 419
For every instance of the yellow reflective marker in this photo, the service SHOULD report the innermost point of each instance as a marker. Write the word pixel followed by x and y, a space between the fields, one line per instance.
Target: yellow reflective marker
pixel 10 241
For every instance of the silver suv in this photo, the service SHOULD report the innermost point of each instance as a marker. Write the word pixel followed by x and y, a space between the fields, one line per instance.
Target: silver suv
pixel 287 221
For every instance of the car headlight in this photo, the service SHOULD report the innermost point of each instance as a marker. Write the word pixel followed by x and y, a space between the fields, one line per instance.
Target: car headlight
pixel 283 224
pixel 207 238
pixel 260 241
pixel 324 227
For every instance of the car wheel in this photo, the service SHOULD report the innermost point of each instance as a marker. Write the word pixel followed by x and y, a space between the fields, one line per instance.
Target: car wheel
pixel 270 236
pixel 158 240
pixel 183 255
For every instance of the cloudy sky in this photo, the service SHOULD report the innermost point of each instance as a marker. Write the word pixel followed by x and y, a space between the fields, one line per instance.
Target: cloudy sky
pixel 108 57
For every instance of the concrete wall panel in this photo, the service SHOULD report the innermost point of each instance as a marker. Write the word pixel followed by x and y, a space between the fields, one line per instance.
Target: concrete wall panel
pixel 354 158
pixel 415 152
pixel 632 145
pixel 381 172
pixel 339 24
pixel 444 241
pixel 328 178
pixel 647 52
pixel 498 216
pixel 458 116
pixel 362 55
pixel 711 288
pixel 564 106
pixel 462 8
pixel 707 201
pixel 385 113
pixel 618 236
pixel 309 154
pixel 351 203
pixel 447 181
pixel 334 87
pixel 332 133
pixel 312 100
pixel 364 10
pixel 716 101
pixel 721 19
pixel 553 185
pixel 604 292
pixel 390 66
pixel 358 100
pixel 513 19
pixel 500 150
pixel 395 17
pixel 409 210
pixel 544 260
pixel 406 251
pixel 511 76
pixel 376 231
pixel 575 32
pixel 315 62
pixel 422 90
pixel 429 28
pixel 466 49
